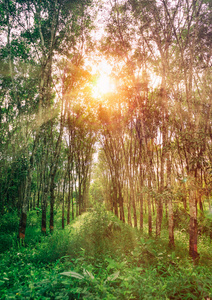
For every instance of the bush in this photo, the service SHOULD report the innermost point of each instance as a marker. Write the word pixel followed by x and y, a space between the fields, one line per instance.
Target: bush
pixel 9 222
pixel 8 230
pixel 99 257
pixel 102 234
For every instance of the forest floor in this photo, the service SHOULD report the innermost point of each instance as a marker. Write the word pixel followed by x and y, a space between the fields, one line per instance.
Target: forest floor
pixel 99 257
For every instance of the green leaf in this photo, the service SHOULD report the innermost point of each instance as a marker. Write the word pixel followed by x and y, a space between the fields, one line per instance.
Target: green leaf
pixel 72 274
pixel 113 277
pixel 1 282
pixel 86 272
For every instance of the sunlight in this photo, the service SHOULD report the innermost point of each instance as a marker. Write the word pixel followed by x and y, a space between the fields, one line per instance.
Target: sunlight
pixel 103 83
pixel 102 86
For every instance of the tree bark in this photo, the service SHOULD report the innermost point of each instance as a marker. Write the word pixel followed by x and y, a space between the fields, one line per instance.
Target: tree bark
pixel 44 206
pixel 69 195
pixel 149 206
pixel 170 206
pixel 141 213
pixel 193 225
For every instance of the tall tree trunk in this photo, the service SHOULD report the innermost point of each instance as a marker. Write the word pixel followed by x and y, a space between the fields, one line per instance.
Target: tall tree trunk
pixel 77 199
pixel 115 205
pixel 22 224
pixel 132 197
pixel 121 204
pixel 52 200
pixel 80 197
pixel 159 201
pixel 44 207
pixel 63 203
pixel 69 195
pixel 72 199
pixel 122 217
pixel 149 206
pixel 23 219
pixel 53 169
pixel 141 213
pixel 129 218
pixel 170 206
pixel 200 202
pixel 193 225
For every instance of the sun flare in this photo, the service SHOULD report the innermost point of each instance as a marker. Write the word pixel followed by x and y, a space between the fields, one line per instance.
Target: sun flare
pixel 103 85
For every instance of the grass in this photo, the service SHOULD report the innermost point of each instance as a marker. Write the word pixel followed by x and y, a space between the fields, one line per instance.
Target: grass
pixel 99 257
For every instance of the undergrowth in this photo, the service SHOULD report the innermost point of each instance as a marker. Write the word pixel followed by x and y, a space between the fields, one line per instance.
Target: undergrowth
pixel 99 257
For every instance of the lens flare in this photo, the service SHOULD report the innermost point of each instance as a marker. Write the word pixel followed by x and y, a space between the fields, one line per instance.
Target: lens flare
pixel 103 85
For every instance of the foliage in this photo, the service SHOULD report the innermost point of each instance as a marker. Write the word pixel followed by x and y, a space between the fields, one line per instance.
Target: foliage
pixel 155 154
pixel 92 260
pixel 8 230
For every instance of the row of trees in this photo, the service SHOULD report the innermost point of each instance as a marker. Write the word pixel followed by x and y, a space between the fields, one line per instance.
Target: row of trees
pixel 157 141
pixel 46 135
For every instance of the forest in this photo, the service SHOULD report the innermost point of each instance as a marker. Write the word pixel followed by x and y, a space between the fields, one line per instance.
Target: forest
pixel 106 149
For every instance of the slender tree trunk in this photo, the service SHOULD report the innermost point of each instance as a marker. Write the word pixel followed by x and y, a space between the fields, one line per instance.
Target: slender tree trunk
pixel 22 225
pixel 115 204
pixel 44 207
pixel 63 204
pixel 115 200
pixel 23 219
pixel 132 196
pixel 170 206
pixel 72 200
pixel 193 225
pixel 52 200
pixel 77 199
pixel 69 195
pixel 38 195
pixel 166 209
pixel 121 205
pixel 122 217
pixel 159 202
pixel 53 169
pixel 153 206
pixel 141 213
pixel 80 197
pixel 134 211
pixel 33 203
pixel 129 218
pixel 149 206
pixel 171 223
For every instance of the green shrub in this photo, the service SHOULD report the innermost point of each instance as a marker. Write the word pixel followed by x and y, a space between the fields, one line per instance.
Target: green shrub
pixel 99 257
pixel 9 222
pixel 8 230
pixel 102 234
pixel 52 247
